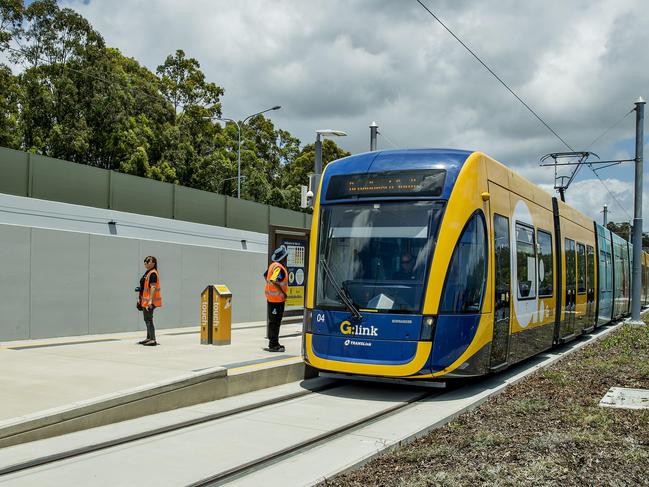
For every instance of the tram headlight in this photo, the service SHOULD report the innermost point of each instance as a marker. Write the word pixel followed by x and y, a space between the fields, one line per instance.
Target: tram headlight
pixel 427 328
pixel 308 322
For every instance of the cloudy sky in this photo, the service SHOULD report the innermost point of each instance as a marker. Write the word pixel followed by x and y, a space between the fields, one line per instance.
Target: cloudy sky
pixel 341 64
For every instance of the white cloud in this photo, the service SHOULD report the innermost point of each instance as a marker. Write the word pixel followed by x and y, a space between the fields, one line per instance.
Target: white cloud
pixel 590 195
pixel 342 64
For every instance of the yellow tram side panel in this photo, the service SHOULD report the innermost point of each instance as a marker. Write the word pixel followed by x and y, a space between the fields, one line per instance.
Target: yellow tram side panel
pixel 482 174
pixel 578 227
pixel 543 220
pixel 465 199
pixel 523 193
pixel 313 246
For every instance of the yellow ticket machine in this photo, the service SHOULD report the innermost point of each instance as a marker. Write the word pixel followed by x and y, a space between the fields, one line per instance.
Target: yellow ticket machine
pixel 216 315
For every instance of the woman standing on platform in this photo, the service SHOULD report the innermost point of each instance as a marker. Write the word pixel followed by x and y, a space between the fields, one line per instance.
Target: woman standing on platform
pixel 149 298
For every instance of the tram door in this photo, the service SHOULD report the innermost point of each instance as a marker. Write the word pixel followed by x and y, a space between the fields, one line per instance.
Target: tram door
pixel 571 289
pixel 502 288
pixel 590 286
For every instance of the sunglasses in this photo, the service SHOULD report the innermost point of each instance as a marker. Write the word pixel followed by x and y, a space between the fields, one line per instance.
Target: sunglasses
pixel 147 261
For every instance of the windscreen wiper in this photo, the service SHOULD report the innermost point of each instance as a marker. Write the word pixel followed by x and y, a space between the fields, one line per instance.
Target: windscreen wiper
pixel 340 291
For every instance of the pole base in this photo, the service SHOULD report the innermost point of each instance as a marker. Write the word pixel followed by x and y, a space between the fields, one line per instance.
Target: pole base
pixel 635 323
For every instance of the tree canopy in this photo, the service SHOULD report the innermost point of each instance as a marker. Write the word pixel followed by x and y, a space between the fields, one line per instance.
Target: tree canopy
pixel 74 98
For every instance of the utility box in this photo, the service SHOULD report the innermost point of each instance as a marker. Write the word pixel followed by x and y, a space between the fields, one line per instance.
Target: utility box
pixel 216 315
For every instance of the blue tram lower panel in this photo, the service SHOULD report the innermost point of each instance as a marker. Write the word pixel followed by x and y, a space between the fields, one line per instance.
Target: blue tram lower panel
pixel 375 326
pixel 366 351
pixel 393 340
pixel 453 335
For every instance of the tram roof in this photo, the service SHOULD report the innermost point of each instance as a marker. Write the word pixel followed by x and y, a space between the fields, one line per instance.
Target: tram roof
pixel 451 160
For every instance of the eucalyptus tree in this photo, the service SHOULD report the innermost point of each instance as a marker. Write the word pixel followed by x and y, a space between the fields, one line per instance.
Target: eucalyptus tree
pixel 190 138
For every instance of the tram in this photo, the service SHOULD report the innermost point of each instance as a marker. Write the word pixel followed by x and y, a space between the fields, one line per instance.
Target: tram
pixel 436 263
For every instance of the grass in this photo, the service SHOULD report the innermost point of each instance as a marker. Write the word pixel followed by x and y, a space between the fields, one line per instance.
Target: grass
pixel 547 430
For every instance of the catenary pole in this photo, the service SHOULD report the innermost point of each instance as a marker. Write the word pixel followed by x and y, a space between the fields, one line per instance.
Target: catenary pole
pixel 605 211
pixel 636 284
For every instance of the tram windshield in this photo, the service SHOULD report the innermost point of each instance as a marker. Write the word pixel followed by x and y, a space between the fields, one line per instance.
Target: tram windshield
pixel 378 253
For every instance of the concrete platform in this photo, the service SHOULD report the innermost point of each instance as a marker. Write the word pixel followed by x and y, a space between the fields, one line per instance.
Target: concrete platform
pixel 56 386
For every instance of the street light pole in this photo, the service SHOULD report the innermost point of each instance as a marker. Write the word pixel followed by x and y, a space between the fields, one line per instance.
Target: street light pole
pixel 636 284
pixel 239 127
pixel 315 184
pixel 277 107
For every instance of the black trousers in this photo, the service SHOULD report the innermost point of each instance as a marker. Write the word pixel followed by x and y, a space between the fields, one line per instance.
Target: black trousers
pixel 275 313
pixel 148 321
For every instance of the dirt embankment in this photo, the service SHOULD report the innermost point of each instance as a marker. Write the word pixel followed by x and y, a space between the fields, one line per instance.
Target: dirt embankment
pixel 546 430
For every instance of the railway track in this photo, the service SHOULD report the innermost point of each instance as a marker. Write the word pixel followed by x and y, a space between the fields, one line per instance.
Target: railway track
pixel 85 450
pixel 224 477
pixel 74 464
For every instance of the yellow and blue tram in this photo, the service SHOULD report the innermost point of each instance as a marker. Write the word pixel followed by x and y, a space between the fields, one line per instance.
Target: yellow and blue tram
pixel 439 263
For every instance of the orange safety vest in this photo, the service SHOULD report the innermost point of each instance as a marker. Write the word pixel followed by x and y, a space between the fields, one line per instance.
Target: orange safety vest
pixel 145 299
pixel 273 295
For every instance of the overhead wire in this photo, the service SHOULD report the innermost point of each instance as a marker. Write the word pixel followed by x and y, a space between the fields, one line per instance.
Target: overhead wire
pixel 590 166
pixel 538 117
pixel 609 192
pixel 388 140
pixel 610 128
pixel 496 76
pixel 595 140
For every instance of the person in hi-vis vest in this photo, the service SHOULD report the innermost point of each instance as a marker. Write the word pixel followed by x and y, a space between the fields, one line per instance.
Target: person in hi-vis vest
pixel 149 298
pixel 276 293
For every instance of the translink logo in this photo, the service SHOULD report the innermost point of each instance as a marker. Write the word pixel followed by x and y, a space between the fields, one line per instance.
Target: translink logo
pixel 346 328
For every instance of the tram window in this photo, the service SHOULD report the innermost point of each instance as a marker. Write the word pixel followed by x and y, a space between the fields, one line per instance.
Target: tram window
pixel 623 268
pixel 525 262
pixel 581 268
pixel 609 267
pixel 604 270
pixel 467 274
pixel 590 278
pixel 546 276
pixel 570 265
pixel 365 246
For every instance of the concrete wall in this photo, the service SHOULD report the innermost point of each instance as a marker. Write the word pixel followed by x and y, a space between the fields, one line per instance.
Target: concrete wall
pixel 63 283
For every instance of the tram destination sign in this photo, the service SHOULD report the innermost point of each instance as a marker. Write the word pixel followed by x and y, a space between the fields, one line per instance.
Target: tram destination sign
pixel 414 182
